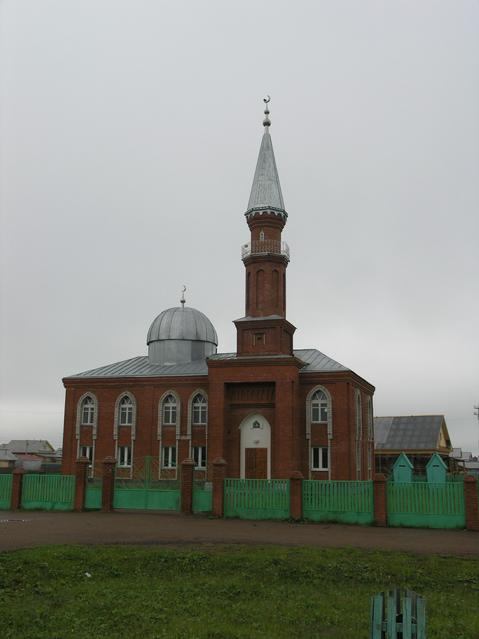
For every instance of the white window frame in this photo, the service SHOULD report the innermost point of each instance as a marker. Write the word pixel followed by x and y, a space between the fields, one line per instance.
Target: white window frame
pixel 86 450
pixel 359 433
pixel 168 455
pixel 87 408
pixel 320 454
pixel 125 411
pixel 319 403
pixel 124 456
pixel 200 455
pixel 169 410
pixel 199 409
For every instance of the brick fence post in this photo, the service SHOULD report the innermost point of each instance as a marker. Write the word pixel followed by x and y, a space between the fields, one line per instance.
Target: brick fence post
pixel 296 495
pixel 108 484
pixel 380 500
pixel 219 473
pixel 187 467
pixel 81 470
pixel 17 481
pixel 470 503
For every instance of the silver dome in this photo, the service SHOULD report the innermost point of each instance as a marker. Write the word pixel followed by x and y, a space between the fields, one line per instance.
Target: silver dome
pixel 179 335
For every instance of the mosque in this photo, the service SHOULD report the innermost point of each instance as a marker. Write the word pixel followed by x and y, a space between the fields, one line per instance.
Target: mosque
pixel 267 409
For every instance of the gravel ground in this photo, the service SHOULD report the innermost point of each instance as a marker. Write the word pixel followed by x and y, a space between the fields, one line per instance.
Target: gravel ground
pixel 29 529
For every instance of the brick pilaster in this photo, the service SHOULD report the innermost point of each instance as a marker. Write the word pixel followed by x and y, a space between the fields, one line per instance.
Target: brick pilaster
pixel 296 495
pixel 16 497
pixel 187 468
pixel 380 500
pixel 470 503
pixel 108 484
pixel 81 471
pixel 219 473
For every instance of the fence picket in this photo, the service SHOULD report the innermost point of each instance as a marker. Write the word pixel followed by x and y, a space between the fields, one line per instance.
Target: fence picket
pixel 425 505
pixel 48 492
pixel 344 501
pixel 5 491
pixel 257 498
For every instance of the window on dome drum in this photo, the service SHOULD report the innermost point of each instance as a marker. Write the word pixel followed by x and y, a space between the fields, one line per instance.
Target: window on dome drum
pixel 200 410
pixel 124 457
pixel 319 458
pixel 199 455
pixel 319 407
pixel 126 411
pixel 87 451
pixel 169 457
pixel 169 410
pixel 87 411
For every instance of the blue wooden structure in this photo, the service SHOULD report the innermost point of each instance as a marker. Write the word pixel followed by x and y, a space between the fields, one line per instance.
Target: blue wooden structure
pixel 398 614
pixel 402 469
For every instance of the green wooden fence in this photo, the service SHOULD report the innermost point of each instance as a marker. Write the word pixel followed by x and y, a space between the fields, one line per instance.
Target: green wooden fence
pixel 48 492
pixel 202 496
pixel 426 505
pixel 93 494
pixel 155 495
pixel 350 502
pixel 257 498
pixel 5 491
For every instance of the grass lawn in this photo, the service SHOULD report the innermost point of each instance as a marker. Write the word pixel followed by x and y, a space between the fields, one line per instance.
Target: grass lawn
pixel 224 592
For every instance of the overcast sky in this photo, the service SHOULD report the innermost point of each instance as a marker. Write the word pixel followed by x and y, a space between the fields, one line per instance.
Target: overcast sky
pixel 129 137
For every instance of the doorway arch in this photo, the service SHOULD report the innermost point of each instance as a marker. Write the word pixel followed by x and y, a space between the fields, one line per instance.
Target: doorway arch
pixel 255 444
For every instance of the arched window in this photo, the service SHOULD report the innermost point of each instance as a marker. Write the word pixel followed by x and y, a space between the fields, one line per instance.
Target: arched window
pixel 87 411
pixel 125 411
pixel 169 410
pixel 200 410
pixel 261 236
pixel 319 407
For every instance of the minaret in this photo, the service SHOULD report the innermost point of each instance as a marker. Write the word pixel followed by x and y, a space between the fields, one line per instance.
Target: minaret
pixel 264 330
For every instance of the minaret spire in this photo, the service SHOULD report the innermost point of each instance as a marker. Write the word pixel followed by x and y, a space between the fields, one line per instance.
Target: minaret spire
pixel 266 193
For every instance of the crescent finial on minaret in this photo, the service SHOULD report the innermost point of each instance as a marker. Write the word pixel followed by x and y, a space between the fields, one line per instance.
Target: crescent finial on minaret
pixel 266 121
pixel 182 300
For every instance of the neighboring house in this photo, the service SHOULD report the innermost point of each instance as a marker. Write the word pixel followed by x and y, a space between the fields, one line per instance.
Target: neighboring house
pixel 267 409
pixel 40 447
pixel 419 436
pixel 7 460
pixel 30 463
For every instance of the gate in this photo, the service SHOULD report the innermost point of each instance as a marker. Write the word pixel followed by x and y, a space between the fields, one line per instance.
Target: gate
pixel 5 491
pixel 426 505
pixel 48 492
pixel 202 496
pixel 145 493
pixel 93 494
pixel 257 498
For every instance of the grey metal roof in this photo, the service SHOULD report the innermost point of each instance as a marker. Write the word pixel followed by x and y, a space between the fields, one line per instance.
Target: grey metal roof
pixel 315 361
pixel 7 455
pixel 266 190
pixel 141 367
pixel 182 322
pixel 410 432
pixel 32 446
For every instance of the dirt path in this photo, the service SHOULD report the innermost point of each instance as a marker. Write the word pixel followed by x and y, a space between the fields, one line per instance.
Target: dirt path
pixel 28 529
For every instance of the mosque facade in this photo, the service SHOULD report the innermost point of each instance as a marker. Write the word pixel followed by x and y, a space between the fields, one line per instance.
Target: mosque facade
pixel 267 409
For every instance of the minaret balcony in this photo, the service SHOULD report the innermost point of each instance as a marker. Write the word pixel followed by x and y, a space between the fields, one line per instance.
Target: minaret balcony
pixel 265 247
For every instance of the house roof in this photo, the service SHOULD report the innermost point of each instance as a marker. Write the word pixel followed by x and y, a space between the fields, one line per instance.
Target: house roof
pixel 33 446
pixel 6 455
pixel 410 432
pixel 314 360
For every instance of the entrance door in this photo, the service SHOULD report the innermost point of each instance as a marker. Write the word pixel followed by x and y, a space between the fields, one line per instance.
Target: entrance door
pixel 256 463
